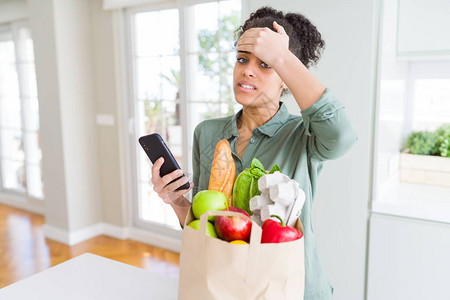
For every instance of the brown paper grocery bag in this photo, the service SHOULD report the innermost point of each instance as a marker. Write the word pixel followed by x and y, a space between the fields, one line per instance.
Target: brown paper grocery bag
pixel 211 268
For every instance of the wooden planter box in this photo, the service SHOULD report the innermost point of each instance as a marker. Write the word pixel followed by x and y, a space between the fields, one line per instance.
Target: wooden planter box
pixel 425 169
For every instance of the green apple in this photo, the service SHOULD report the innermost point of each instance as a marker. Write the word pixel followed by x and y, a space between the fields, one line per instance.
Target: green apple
pixel 209 228
pixel 208 200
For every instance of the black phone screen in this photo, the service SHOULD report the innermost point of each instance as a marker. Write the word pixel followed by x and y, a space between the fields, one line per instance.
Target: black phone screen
pixel 155 147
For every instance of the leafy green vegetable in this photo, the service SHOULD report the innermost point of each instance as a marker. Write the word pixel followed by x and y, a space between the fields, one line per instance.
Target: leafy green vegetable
pixel 256 164
pixel 246 185
pixel 274 169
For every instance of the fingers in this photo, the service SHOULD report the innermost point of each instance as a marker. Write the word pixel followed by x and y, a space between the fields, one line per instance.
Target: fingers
pixel 156 167
pixel 176 184
pixel 278 28
pixel 171 176
pixel 163 186
pixel 182 192
pixel 171 196
pixel 252 32
pixel 258 35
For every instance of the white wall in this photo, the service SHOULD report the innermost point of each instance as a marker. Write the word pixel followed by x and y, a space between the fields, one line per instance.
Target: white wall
pixel 13 10
pixel 63 53
pixel 348 67
pixel 409 259
pixel 108 103
pixel 76 81
pixel 53 170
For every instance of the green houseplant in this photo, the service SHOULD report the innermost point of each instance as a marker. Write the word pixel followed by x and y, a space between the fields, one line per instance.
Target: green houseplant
pixel 442 146
pixel 421 142
pixel 425 159
pixel 430 142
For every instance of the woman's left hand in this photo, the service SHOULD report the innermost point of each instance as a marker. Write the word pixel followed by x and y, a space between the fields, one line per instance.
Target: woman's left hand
pixel 266 44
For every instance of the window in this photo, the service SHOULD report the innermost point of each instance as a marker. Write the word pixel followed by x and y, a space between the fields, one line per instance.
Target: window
pixel 430 94
pixel 181 76
pixel 20 153
pixel 413 95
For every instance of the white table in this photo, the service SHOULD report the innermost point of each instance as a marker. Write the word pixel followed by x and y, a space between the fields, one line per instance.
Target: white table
pixel 89 276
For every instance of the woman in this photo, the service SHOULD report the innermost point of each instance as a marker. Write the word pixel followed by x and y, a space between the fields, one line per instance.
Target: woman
pixel 274 52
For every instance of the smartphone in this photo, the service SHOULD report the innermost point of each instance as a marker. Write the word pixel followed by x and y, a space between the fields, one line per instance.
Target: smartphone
pixel 155 147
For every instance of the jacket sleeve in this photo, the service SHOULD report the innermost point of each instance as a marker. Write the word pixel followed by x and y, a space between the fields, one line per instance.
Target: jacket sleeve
pixel 330 132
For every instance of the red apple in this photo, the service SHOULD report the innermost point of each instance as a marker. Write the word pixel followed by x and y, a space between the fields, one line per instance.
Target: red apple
pixel 233 228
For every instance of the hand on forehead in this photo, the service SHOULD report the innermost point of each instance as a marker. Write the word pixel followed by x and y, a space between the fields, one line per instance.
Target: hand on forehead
pixel 264 43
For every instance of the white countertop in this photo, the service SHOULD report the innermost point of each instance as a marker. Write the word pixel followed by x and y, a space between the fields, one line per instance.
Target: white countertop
pixel 417 201
pixel 90 276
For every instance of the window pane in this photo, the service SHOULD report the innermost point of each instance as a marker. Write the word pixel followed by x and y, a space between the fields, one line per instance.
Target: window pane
pixel 11 144
pixel 144 168
pixel 230 19
pixel 7 49
pixel 148 81
pixel 226 78
pixel 153 209
pixel 31 110
pixel 150 39
pixel 35 184
pixel 204 77
pixel 26 52
pixel 202 110
pixel 431 103
pixel 158 116
pixel 28 80
pixel 158 77
pixel 33 154
pixel 170 77
pixel 13 175
pixel 204 17
pixel 229 108
pixel 10 115
pixel 9 84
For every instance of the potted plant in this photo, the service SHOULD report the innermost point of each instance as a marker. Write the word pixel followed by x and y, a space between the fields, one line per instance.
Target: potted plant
pixel 426 159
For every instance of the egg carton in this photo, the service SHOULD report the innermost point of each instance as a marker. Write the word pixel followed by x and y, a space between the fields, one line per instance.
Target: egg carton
pixel 281 196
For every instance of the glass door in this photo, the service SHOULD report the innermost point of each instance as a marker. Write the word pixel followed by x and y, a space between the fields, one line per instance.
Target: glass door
pixel 181 75
pixel 20 153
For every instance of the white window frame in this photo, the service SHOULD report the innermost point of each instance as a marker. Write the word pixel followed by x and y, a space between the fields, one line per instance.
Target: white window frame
pixel 9 196
pixel 131 109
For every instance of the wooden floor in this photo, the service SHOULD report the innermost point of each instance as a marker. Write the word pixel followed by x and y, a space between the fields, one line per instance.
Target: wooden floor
pixel 25 251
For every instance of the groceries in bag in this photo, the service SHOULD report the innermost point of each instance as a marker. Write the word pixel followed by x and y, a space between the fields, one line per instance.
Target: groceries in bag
pixel 227 228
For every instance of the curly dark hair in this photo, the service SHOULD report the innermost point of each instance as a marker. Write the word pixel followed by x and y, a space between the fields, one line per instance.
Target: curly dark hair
pixel 305 40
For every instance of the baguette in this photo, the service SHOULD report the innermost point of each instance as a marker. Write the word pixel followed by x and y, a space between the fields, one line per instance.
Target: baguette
pixel 223 170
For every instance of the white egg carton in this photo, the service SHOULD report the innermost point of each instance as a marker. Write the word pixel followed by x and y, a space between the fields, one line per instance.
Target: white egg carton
pixel 280 196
